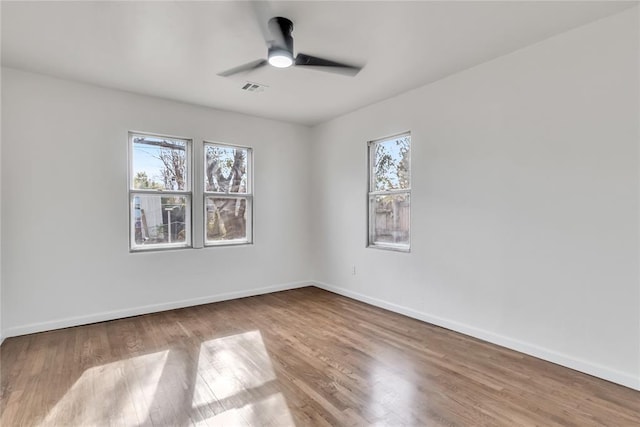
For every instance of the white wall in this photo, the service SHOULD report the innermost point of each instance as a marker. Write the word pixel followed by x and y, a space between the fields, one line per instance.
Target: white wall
pixel 524 202
pixel 65 206
pixel 1 330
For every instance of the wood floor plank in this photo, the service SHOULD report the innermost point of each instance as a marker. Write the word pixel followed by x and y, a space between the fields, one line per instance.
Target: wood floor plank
pixel 300 357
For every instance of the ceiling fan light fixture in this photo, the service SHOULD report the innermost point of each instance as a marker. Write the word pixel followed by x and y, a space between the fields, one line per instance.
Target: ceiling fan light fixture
pixel 280 58
pixel 280 53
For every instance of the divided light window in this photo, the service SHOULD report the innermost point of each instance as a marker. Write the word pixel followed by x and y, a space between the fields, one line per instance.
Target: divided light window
pixel 159 192
pixel 227 194
pixel 390 193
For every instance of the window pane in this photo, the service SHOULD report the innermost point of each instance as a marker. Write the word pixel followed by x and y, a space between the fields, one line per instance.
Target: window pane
pixel 390 219
pixel 391 160
pixel 159 163
pixel 160 220
pixel 226 218
pixel 225 169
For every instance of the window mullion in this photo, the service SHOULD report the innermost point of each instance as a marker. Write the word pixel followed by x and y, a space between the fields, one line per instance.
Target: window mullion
pixel 167 193
pixel 389 192
pixel 197 201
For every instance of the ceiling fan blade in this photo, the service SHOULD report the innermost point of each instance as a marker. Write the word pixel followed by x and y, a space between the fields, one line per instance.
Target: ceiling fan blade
pixel 326 65
pixel 245 67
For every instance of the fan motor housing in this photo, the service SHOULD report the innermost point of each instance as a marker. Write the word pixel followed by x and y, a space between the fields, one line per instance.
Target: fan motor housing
pixel 284 26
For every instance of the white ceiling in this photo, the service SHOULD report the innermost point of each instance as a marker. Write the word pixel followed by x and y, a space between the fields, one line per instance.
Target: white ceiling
pixel 175 49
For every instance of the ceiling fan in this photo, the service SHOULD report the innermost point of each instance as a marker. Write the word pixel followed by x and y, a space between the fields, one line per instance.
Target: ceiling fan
pixel 280 53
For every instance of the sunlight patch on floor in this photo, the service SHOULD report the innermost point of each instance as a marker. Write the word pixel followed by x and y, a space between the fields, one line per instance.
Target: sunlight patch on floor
pixel 118 393
pixel 229 365
pixel 272 411
pixel 392 396
pixel 236 373
pixel 224 381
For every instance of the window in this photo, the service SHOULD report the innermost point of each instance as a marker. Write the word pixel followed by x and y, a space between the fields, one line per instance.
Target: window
pixel 227 194
pixel 390 193
pixel 161 199
pixel 159 192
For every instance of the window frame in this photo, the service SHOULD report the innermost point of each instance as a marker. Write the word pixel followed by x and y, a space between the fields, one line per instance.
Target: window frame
pixel 372 193
pixel 187 193
pixel 248 196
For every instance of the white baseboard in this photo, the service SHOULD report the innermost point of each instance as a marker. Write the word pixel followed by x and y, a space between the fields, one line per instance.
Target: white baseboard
pixel 590 368
pixel 615 376
pixel 153 308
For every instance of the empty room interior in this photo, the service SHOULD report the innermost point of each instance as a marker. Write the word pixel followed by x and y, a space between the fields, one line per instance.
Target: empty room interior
pixel 344 213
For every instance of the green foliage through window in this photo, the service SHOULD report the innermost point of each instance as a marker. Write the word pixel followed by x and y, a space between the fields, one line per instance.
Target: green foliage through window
pixel 390 193
pixel 227 173
pixel 391 164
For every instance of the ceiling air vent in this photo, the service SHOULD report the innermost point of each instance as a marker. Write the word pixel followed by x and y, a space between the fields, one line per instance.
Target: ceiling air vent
pixel 254 87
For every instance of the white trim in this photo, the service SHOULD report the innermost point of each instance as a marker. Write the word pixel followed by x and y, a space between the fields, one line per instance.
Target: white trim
pixel 600 371
pixel 153 308
pixel 372 194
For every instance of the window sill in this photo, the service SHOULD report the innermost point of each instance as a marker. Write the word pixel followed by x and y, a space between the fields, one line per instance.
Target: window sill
pixel 227 243
pixel 158 248
pixel 390 247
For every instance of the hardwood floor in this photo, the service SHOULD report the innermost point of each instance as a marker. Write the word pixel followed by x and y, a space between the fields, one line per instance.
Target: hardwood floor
pixel 300 357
